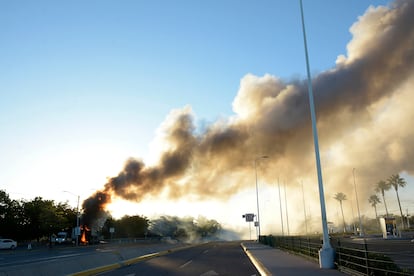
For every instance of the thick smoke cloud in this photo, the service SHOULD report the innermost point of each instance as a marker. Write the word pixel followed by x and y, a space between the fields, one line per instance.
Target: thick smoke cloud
pixel 363 112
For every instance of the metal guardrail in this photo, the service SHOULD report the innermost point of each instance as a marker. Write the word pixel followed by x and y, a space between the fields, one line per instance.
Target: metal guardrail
pixel 304 246
pixel 370 259
pixel 353 258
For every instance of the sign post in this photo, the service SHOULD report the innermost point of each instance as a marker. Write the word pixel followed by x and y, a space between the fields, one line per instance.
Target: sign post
pixel 249 218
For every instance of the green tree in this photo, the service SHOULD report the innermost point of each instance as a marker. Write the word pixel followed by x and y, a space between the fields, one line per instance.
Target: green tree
pixel 341 197
pixel 109 223
pixel 374 200
pixel 186 228
pixel 164 226
pixel 381 187
pixel 66 216
pixel 206 227
pixel 11 217
pixel 33 219
pixel 40 219
pixel 396 181
pixel 44 217
pixel 131 226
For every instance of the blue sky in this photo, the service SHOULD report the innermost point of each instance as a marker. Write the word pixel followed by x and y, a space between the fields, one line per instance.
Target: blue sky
pixel 86 84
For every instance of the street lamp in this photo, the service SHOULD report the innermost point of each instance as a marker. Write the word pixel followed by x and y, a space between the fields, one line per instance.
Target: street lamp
pixel 287 212
pixel 356 196
pixel 327 253
pixel 77 217
pixel 280 207
pixel 257 195
pixel 304 210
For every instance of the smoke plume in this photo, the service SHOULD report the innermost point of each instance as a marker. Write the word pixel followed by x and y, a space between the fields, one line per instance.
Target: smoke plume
pixel 363 112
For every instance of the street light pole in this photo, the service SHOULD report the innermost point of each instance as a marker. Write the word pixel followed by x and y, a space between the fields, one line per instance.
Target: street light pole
pixel 77 218
pixel 287 211
pixel 77 223
pixel 304 210
pixel 361 233
pixel 257 195
pixel 280 207
pixel 327 253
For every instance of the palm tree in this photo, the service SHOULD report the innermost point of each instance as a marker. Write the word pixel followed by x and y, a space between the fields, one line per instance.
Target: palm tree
pixel 374 200
pixel 396 181
pixel 381 187
pixel 341 197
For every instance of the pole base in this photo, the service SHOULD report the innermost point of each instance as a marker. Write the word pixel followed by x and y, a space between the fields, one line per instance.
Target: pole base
pixel 327 258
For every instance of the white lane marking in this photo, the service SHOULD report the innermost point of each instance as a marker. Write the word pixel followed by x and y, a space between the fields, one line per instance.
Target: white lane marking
pixel 205 251
pixel 187 263
pixel 209 273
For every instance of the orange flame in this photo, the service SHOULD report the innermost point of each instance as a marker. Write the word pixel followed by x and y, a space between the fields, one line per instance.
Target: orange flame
pixel 83 237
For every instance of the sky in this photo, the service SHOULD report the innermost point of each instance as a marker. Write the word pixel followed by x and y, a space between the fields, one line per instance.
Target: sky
pixel 166 105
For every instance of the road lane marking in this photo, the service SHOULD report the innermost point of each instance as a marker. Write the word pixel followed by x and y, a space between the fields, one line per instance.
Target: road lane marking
pixel 209 273
pixel 187 263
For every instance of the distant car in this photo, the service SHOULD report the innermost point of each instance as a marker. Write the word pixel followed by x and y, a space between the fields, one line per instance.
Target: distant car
pixel 63 237
pixel 7 244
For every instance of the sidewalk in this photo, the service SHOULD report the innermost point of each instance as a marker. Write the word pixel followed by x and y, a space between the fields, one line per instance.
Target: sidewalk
pixel 272 261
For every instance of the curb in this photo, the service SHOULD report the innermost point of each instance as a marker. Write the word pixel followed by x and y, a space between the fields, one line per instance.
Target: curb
pixel 258 264
pixel 105 268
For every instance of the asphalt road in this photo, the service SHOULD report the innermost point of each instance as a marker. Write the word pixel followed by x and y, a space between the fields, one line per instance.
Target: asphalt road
pixel 64 260
pixel 225 258
pixel 401 251
pixel 216 258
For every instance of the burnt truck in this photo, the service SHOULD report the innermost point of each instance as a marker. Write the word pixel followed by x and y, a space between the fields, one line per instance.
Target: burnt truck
pixel 84 235
pixel 89 235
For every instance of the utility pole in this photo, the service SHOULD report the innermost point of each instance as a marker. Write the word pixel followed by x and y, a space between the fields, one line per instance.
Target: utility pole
pixel 287 213
pixel 326 253
pixel 280 206
pixel 361 232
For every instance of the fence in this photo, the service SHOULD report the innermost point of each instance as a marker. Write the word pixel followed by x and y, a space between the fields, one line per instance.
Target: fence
pixel 354 256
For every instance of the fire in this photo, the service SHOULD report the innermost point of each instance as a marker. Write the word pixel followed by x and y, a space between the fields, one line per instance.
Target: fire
pixel 83 239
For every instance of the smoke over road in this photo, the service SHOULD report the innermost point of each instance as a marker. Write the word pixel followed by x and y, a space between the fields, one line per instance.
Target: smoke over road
pixel 364 116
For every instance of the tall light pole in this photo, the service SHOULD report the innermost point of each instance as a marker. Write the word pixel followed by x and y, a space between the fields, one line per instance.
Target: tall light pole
pixel 257 195
pixel 287 212
pixel 77 218
pixel 280 207
pixel 361 233
pixel 327 253
pixel 304 210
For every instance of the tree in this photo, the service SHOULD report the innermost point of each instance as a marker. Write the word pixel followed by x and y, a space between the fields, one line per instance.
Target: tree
pixel 66 216
pixel 374 200
pixel 11 217
pixel 164 226
pixel 341 197
pixel 106 228
pixel 206 227
pixel 186 228
pixel 43 218
pixel 40 218
pixel 396 181
pixel 131 226
pixel 34 219
pixel 381 187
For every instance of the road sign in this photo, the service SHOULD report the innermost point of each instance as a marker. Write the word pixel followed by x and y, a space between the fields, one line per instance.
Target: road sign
pixel 249 217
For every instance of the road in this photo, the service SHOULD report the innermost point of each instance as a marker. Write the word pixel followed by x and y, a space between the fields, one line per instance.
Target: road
pixel 215 258
pixel 64 260
pixel 401 251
